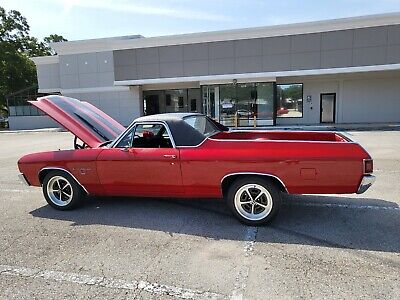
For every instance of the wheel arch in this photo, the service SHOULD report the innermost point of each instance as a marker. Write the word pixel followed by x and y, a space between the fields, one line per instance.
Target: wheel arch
pixel 228 179
pixel 44 171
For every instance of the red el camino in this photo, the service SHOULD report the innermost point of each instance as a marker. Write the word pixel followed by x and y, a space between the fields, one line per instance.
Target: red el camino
pixel 189 155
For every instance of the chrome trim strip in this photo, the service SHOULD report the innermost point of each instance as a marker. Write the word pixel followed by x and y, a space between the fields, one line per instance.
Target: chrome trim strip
pixel 255 173
pixel 66 171
pixel 22 178
pixel 144 122
pixel 195 146
pixel 280 141
pixel 365 183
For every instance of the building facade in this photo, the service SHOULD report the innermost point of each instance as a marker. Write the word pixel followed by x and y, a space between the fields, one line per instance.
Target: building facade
pixel 336 71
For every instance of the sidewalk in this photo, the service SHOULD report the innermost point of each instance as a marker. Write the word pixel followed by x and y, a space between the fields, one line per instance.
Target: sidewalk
pixel 331 127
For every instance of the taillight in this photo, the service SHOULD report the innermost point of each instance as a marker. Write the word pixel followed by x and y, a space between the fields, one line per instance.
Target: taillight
pixel 368 166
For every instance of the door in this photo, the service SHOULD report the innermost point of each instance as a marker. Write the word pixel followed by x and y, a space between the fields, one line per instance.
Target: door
pixel 151 105
pixel 143 163
pixel 328 108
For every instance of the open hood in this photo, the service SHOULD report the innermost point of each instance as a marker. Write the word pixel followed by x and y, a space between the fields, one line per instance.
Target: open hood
pixel 87 122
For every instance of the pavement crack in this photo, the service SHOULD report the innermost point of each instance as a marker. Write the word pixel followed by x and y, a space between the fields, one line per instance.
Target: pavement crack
pixel 243 274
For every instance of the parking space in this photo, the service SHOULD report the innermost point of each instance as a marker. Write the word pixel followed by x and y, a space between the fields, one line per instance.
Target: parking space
pixel 328 246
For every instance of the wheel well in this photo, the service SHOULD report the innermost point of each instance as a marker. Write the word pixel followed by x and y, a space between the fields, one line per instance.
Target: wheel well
pixel 42 174
pixel 228 180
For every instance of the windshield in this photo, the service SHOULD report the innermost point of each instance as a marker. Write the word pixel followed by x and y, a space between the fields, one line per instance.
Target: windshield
pixel 202 124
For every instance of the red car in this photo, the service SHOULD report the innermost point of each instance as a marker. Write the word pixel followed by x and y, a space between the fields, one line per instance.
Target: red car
pixel 189 155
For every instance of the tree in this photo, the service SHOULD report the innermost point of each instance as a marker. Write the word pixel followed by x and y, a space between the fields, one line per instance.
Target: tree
pixel 53 38
pixel 17 71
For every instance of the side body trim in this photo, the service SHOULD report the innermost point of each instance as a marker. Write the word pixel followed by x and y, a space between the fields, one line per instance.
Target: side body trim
pixel 66 171
pixel 254 173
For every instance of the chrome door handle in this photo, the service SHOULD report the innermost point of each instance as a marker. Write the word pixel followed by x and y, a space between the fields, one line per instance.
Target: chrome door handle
pixel 170 156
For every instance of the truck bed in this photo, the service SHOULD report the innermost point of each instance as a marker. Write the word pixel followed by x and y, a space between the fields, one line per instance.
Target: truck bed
pixel 282 135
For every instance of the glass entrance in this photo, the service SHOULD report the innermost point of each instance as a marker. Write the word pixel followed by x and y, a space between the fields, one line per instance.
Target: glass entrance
pixel 211 101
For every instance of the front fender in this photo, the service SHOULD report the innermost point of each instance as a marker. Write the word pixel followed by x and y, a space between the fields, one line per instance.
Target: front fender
pixel 81 164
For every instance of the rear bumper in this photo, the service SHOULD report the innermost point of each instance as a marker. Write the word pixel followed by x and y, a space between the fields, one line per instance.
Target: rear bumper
pixel 23 179
pixel 366 182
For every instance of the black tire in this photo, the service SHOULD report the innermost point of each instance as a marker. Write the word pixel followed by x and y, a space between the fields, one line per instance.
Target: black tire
pixel 270 197
pixel 65 202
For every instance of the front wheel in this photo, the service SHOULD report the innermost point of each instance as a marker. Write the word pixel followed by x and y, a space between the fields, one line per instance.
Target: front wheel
pixel 61 191
pixel 254 200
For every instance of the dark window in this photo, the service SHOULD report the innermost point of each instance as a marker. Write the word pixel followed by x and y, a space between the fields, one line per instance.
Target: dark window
pixel 193 105
pixel 168 100
pixel 180 102
pixel 289 100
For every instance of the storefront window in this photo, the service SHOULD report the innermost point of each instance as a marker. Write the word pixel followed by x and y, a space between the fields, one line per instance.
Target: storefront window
pixel 289 101
pixel 246 104
pixel 167 101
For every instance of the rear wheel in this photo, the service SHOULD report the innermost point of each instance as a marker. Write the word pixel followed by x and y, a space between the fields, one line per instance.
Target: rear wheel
pixel 61 191
pixel 254 200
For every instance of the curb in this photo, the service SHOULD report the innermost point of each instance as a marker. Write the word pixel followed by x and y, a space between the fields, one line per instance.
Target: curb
pixel 33 130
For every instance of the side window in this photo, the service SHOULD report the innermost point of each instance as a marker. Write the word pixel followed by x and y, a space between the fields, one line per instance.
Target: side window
pixel 126 140
pixel 151 136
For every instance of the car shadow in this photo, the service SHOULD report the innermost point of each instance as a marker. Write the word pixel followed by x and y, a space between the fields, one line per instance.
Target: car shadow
pixel 339 222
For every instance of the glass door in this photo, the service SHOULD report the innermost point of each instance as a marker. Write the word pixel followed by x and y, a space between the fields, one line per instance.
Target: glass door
pixel 211 101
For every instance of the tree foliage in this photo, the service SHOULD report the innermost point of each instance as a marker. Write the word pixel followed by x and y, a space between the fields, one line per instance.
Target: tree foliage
pixel 17 71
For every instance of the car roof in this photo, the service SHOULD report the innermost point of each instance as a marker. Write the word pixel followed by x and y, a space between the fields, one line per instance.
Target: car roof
pixel 182 133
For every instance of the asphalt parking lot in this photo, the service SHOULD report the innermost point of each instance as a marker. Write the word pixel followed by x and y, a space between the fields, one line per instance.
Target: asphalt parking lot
pixel 318 247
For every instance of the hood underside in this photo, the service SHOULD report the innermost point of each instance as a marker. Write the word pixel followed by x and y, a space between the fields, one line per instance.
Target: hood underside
pixel 87 122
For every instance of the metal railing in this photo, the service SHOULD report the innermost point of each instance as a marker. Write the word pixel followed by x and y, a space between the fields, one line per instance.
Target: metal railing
pixel 18 105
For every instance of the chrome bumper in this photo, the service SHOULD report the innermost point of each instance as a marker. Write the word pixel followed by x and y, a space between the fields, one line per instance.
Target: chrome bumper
pixel 366 182
pixel 23 179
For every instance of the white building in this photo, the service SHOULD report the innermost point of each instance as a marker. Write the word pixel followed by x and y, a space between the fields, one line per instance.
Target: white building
pixel 335 71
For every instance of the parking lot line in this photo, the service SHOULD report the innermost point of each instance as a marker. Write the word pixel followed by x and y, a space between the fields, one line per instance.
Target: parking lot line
pixel 337 205
pixel 150 287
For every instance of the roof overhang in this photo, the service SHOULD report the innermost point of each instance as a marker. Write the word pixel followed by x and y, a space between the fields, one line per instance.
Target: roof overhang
pixel 109 44
pixel 202 80
pixel 254 77
pixel 45 60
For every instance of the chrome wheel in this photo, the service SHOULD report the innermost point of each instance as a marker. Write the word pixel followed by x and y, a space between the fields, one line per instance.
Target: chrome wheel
pixel 59 190
pixel 253 202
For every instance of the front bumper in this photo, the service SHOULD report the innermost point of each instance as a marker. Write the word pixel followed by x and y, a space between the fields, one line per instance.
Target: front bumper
pixel 23 179
pixel 366 182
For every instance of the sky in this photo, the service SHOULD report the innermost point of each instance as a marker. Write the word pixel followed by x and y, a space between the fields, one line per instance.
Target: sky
pixel 88 19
